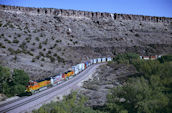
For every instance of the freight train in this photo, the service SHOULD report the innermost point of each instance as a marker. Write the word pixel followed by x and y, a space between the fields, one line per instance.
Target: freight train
pixel 37 86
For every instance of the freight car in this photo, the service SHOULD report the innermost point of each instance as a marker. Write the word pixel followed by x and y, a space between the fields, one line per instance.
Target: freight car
pixel 99 60
pixel 103 59
pixel 75 69
pixel 109 59
pixel 55 80
pixel 94 61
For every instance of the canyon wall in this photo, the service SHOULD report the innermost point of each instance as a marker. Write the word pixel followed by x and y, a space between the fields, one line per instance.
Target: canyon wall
pixel 75 13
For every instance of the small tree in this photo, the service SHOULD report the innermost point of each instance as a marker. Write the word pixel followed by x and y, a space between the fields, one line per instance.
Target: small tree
pixel 4 78
pixel 20 77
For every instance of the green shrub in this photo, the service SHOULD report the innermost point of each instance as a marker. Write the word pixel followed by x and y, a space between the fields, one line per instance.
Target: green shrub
pixel 12 51
pixel 41 35
pixel 41 54
pixel 40 46
pixel 49 52
pixel 71 103
pixel 57 41
pixel 0 24
pixel 75 42
pixel 166 58
pixel 52 38
pixel 30 53
pixel 32 49
pixel 22 45
pixel 15 41
pixel 28 39
pixel 44 49
pixel 33 43
pixel 1 45
pixel 52 59
pixel 42 59
pixel 137 96
pixel 37 39
pixel 126 57
pixel 33 60
pixel 12 83
pixel 37 57
pixel 149 93
pixel 19 35
pixel 45 42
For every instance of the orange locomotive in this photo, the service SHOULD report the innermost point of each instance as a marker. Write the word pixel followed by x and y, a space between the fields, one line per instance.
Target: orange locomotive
pixel 68 74
pixel 34 87
pixel 37 86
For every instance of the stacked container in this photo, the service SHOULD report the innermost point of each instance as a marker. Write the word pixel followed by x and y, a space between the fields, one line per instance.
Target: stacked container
pixel 103 59
pixel 75 69
pixel 109 59
pixel 86 64
pixel 83 66
pixel 99 60
pixel 94 61
pixel 91 61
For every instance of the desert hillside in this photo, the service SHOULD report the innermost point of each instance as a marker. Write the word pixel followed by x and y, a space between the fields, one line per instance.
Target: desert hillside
pixel 44 41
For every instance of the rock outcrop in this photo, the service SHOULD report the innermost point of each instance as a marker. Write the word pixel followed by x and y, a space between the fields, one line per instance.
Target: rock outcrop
pixel 75 13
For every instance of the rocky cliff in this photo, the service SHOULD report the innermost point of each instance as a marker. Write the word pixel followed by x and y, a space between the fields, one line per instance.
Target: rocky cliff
pixel 46 41
pixel 86 14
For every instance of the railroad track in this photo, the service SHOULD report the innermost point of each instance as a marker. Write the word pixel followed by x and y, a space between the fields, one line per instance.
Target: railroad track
pixel 12 101
pixel 51 90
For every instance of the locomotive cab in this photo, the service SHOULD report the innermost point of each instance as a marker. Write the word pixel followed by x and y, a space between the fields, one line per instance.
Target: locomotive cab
pixel 32 86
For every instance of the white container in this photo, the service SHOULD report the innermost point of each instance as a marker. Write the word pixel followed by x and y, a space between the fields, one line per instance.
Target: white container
pixel 141 57
pixel 52 81
pixel 91 61
pixel 103 59
pixel 75 69
pixel 109 59
pixel 99 60
pixel 83 66
pixel 146 57
pixel 79 66
pixel 94 61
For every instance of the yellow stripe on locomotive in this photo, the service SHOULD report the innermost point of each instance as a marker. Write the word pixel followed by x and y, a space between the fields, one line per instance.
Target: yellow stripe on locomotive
pixel 34 86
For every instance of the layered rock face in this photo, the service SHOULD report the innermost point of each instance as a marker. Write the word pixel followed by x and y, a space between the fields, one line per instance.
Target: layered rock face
pixel 61 12
pixel 46 41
